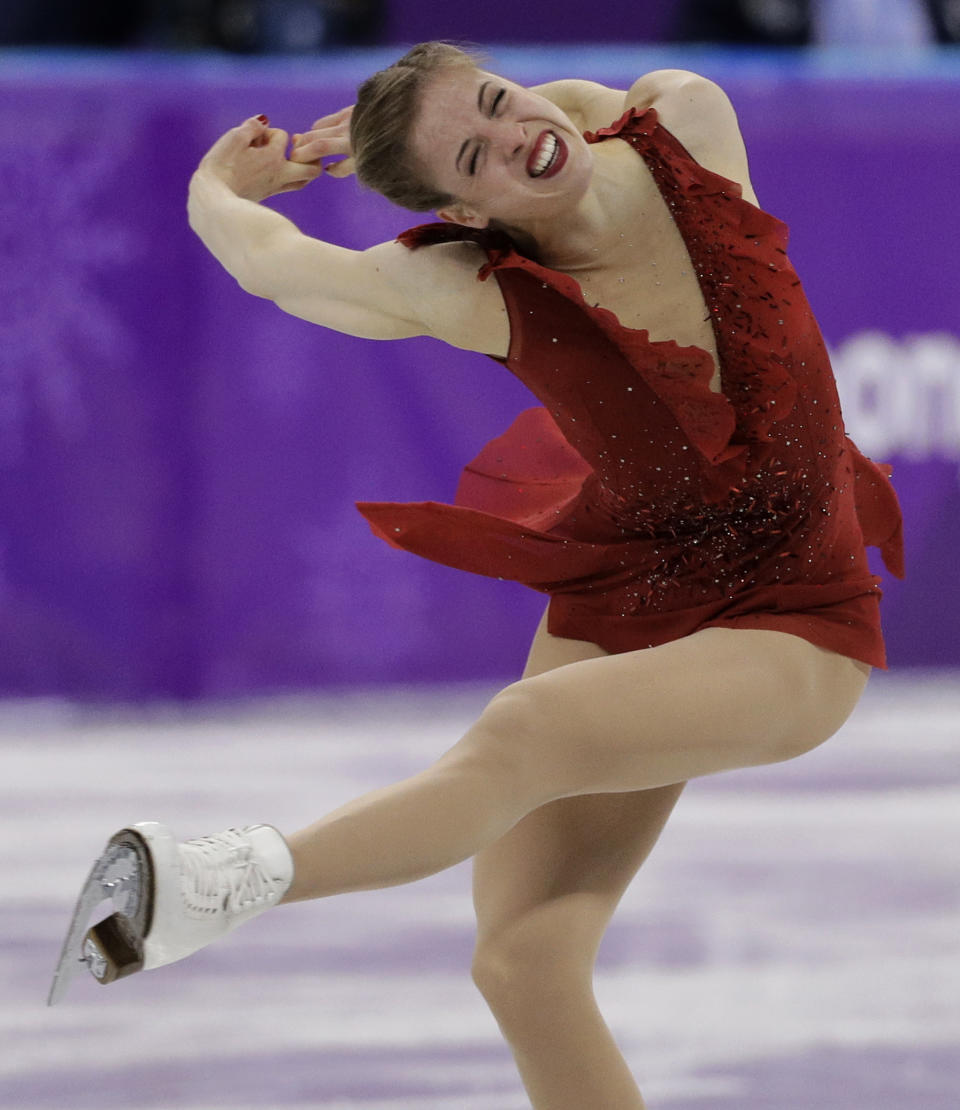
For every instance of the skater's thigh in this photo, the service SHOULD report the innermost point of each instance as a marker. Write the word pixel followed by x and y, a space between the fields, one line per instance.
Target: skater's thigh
pixel 713 701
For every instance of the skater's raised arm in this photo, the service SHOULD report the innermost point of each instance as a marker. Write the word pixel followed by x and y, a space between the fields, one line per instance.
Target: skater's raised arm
pixel 357 292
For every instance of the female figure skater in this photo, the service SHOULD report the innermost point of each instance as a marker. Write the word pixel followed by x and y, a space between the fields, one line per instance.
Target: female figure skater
pixel 686 497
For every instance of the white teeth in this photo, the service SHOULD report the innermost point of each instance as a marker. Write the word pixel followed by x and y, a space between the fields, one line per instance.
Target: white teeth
pixel 547 153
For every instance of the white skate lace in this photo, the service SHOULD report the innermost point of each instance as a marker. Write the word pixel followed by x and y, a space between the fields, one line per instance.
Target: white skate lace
pixel 220 874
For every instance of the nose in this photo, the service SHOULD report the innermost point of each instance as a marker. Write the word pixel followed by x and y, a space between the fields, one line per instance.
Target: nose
pixel 511 139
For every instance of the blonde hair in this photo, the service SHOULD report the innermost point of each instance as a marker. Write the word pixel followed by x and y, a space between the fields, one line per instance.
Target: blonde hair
pixel 384 116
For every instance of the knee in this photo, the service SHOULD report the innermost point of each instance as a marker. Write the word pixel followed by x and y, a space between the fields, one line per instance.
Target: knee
pixel 515 971
pixel 515 731
pixel 513 713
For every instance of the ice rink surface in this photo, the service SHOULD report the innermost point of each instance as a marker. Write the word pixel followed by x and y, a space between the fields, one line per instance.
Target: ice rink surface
pixel 794 941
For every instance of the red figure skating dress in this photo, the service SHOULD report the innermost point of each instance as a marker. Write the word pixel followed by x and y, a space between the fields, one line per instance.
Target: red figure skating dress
pixel 646 505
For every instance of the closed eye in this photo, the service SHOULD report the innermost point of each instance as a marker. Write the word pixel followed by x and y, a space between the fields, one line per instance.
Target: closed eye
pixel 494 107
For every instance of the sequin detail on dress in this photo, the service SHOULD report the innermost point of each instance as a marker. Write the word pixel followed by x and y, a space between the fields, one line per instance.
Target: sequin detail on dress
pixel 645 504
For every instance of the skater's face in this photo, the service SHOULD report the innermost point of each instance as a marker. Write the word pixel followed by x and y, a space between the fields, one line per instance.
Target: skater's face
pixel 504 152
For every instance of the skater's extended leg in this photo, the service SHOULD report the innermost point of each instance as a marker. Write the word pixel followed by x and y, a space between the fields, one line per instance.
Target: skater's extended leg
pixel 716 700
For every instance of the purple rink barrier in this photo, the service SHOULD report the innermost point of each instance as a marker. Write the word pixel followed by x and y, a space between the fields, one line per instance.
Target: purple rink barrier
pixel 179 461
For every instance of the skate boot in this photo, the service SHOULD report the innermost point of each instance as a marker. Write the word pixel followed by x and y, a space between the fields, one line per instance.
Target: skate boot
pixel 169 899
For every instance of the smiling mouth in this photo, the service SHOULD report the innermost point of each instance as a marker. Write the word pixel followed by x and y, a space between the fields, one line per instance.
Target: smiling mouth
pixel 548 155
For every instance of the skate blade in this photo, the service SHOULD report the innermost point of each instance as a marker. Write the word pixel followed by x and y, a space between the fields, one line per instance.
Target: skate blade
pixel 113 948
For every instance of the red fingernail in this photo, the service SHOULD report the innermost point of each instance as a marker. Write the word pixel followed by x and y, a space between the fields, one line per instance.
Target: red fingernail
pixel 263 119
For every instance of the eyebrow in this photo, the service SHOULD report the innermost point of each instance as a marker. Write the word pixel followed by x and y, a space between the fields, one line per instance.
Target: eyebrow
pixel 466 142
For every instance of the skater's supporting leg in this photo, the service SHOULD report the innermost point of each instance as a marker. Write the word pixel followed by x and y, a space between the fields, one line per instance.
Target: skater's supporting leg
pixel 720 699
pixel 544 894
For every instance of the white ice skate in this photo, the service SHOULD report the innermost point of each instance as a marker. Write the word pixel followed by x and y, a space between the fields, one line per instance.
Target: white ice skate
pixel 169 899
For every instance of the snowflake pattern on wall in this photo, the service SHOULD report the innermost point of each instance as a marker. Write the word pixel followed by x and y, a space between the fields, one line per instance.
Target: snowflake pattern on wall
pixel 55 251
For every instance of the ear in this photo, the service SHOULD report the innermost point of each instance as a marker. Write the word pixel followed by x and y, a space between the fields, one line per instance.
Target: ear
pixel 458 213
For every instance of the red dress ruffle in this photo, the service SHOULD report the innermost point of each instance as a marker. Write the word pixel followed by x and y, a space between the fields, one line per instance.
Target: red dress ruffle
pixel 646 505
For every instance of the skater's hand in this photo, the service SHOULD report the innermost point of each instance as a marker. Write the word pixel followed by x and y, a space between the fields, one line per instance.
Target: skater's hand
pixel 251 160
pixel 329 135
